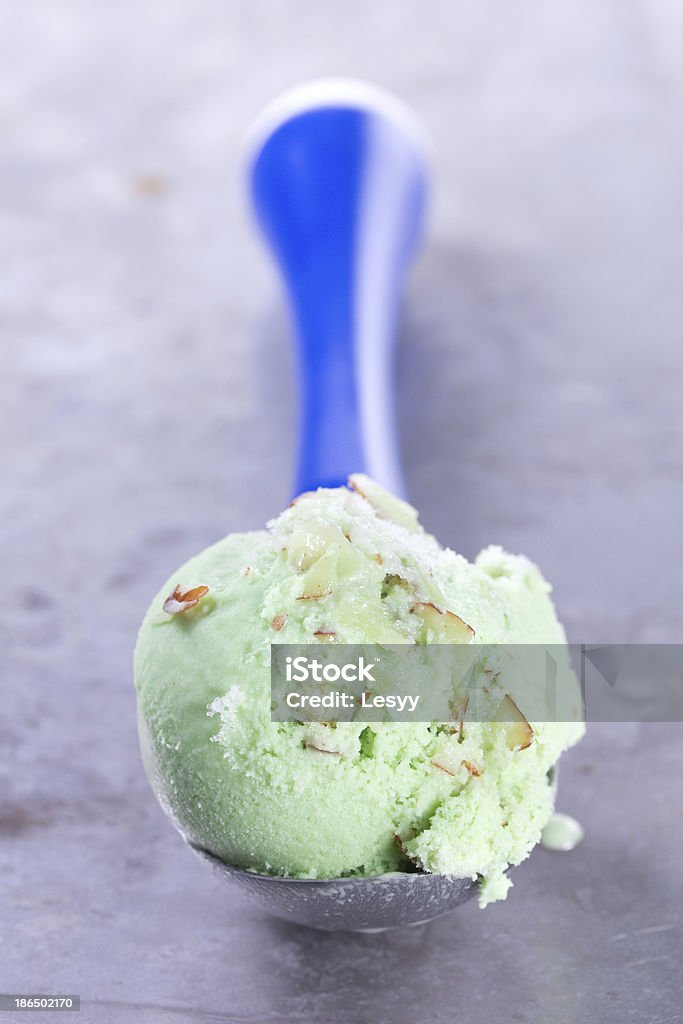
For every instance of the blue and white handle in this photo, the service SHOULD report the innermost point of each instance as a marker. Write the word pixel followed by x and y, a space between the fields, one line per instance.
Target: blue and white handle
pixel 338 173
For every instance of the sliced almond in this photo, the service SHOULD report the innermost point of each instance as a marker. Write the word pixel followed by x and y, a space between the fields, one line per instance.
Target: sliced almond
pixel 325 636
pixel 471 768
pixel 322 750
pixel 518 732
pixel 443 768
pixel 337 562
pixel 448 625
pixel 314 597
pixel 310 540
pixel 180 600
pixel 456 629
pixel 385 504
pixel 430 615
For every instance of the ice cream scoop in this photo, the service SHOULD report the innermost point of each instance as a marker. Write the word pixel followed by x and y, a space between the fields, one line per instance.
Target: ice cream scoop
pixel 316 801
pixel 342 825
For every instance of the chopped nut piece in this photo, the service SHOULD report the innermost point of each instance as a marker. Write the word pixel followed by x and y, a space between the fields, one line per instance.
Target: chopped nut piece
pixel 181 600
pixel 458 708
pixel 322 750
pixel 279 621
pixel 386 505
pixel 457 631
pixel 452 728
pixel 453 769
pixel 410 856
pixel 326 636
pixel 518 732
pixel 447 624
pixel 393 579
pixel 428 612
pixel 310 540
pixel 314 597
pixel 338 561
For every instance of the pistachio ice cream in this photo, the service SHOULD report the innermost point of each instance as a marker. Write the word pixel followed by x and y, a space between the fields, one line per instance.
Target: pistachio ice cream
pixel 325 800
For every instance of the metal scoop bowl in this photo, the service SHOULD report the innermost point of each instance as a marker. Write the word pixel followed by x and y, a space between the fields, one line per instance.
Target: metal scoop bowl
pixel 351 904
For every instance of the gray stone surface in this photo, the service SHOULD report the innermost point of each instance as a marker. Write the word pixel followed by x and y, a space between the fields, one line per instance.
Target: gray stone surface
pixel 147 396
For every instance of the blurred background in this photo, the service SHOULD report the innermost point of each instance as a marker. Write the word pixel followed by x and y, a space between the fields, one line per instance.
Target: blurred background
pixel 149 398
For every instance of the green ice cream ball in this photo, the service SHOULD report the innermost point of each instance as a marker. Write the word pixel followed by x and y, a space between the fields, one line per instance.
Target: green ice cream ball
pixel 310 800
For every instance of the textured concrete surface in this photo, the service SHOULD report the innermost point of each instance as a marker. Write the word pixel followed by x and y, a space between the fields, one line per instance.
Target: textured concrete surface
pixel 147 398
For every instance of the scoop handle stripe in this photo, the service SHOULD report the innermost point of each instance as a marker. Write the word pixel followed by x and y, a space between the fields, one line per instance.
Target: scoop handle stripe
pixel 338 183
